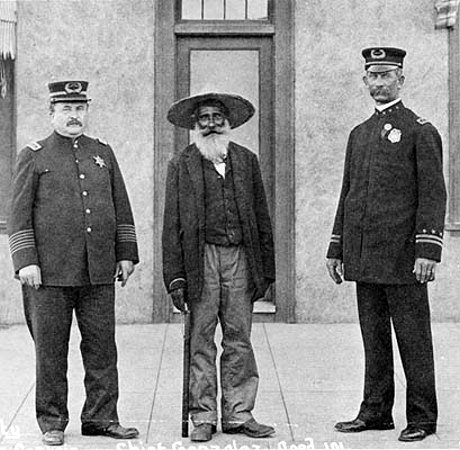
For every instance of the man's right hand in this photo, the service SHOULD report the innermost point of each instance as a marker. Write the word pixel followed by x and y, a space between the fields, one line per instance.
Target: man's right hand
pixel 31 276
pixel 335 269
pixel 178 299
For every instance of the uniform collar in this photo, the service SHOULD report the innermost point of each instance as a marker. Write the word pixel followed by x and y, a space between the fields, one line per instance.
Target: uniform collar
pixel 62 139
pixel 387 108
pixel 381 108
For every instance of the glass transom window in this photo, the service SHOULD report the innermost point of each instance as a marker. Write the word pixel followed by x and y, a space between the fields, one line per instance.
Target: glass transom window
pixel 224 9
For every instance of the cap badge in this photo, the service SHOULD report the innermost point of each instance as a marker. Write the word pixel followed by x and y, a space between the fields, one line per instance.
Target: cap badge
pixel 378 53
pixel 394 136
pixel 73 87
pixel 99 161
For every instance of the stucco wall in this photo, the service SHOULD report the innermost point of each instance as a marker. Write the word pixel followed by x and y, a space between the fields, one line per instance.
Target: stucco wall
pixel 110 44
pixel 330 100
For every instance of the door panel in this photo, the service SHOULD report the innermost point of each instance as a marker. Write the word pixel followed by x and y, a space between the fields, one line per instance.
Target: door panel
pixel 240 66
pixel 236 65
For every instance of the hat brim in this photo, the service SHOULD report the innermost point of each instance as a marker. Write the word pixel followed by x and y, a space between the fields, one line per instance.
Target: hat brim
pixel 70 100
pixel 379 68
pixel 239 109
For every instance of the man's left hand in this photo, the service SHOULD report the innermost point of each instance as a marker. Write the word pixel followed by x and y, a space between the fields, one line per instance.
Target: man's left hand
pixel 424 270
pixel 123 271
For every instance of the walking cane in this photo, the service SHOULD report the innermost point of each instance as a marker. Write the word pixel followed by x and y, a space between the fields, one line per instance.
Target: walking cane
pixel 186 371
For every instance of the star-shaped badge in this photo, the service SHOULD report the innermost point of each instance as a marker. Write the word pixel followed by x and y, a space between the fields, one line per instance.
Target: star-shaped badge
pixel 99 161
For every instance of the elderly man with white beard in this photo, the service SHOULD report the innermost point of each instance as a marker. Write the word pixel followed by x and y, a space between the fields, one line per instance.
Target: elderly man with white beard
pixel 218 258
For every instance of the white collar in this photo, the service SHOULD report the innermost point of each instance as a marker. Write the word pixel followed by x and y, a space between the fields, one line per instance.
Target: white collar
pixel 381 108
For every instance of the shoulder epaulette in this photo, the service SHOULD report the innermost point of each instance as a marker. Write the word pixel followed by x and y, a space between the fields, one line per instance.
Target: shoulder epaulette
pixel 34 146
pixel 102 141
pixel 422 121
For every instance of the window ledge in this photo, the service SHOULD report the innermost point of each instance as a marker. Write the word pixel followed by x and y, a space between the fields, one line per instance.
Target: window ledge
pixel 224 28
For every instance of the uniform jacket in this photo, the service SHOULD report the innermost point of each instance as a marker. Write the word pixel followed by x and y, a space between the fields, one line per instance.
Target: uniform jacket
pixel 70 213
pixel 392 204
pixel 184 219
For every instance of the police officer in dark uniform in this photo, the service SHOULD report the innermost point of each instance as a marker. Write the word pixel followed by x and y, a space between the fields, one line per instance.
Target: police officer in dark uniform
pixel 71 234
pixel 388 236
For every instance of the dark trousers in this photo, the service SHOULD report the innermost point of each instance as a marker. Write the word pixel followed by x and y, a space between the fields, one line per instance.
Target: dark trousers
pixel 408 308
pixel 226 297
pixel 48 312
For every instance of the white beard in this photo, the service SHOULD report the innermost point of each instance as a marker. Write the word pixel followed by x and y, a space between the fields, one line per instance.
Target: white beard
pixel 214 146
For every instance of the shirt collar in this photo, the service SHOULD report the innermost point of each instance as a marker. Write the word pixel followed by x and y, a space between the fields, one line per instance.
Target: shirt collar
pixel 381 108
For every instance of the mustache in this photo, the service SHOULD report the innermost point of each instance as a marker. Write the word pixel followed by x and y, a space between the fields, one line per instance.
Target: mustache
pixel 379 91
pixel 74 122
pixel 211 131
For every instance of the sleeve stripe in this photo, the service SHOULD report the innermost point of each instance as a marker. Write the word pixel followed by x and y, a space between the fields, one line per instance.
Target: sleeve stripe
pixel 21 240
pixel 126 239
pixel 20 234
pixel 126 233
pixel 29 239
pixel 428 237
pixel 21 247
pixel 126 227
pixel 428 241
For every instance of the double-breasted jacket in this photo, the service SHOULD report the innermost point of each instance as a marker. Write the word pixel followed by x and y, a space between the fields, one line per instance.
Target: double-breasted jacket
pixel 70 213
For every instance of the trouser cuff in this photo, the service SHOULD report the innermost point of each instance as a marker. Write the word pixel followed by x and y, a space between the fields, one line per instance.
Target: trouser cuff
pixel 235 421
pixel 48 425
pixel 204 417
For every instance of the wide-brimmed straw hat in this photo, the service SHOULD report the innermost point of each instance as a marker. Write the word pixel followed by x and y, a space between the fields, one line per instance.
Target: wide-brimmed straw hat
pixel 238 109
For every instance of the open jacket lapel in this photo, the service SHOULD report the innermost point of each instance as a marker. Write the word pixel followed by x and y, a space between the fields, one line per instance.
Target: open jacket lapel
pixel 195 170
pixel 239 170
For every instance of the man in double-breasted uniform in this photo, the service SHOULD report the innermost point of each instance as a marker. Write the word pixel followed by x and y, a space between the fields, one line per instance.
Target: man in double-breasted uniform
pixel 387 236
pixel 71 234
pixel 218 257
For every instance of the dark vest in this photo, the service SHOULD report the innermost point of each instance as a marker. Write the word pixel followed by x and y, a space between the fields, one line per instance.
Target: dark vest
pixel 222 219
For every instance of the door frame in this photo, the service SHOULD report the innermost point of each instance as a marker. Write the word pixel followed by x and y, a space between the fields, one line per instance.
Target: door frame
pixel 281 29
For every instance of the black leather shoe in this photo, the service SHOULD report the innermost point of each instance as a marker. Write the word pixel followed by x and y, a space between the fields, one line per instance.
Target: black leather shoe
pixel 252 429
pixel 412 434
pixel 358 425
pixel 115 430
pixel 203 432
pixel 53 437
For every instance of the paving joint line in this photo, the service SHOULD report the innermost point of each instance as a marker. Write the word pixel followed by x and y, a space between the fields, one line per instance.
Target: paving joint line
pixel 157 380
pixel 283 399
pixel 2 436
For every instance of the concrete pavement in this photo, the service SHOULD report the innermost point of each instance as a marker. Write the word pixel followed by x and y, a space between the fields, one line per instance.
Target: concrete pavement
pixel 310 377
